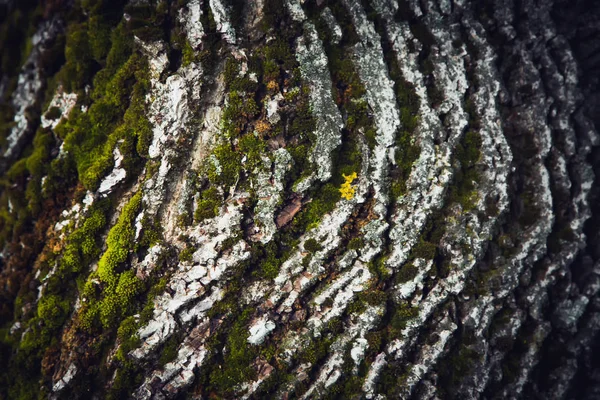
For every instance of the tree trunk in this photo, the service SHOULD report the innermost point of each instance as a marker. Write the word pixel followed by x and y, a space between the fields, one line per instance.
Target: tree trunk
pixel 299 199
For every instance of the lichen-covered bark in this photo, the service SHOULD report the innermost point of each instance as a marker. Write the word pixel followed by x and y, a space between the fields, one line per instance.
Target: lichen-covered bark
pixel 299 199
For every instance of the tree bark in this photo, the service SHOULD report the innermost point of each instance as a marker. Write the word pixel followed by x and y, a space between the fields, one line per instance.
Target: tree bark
pixel 300 199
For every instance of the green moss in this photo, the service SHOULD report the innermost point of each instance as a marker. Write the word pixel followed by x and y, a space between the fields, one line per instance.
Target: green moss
pixel 127 329
pixel 227 168
pixel 274 16
pixel 458 365
pixel 407 152
pixel 270 261
pixel 91 136
pixel 119 241
pixel 36 164
pixel 99 37
pixel 322 204
pixel 347 160
pixel 467 153
pixel 155 290
pixel 346 76
pixel 119 288
pixel 169 351
pixel 93 152
pixel 151 233
pixel 357 307
pixel 424 249
pixel 239 110
pixel 127 377
pixel 186 254
pixel 53 113
pixel 231 71
pixel 37 160
pixel 127 335
pixel 355 243
pixel 128 287
pixel 253 148
pixel 377 268
pixel 392 379
pixel 62 175
pixel 53 310
pixel 375 339
pixel 117 114
pixel 238 358
pixel 347 385
pixel 71 260
pixel 271 70
pixel 208 204
pixel 306 261
pixel 312 245
pixel 402 314
pixel 244 136
pixel 407 273
pixel 78 54
pixel 136 123
pixel 108 310
pixel 120 51
pixel 315 351
pixel 239 84
pixel 279 51
pixel 147 20
pixel 373 297
pixel 81 246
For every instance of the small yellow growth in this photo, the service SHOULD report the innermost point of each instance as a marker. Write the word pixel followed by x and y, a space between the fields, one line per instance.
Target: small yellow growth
pixel 272 86
pixel 347 190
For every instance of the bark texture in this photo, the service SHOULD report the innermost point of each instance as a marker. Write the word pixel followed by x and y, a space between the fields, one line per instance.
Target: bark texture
pixel 300 199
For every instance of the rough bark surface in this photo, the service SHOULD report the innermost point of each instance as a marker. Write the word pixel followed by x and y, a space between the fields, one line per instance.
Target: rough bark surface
pixel 300 199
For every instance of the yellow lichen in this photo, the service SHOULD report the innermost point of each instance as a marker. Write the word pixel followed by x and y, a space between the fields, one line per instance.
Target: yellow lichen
pixel 347 190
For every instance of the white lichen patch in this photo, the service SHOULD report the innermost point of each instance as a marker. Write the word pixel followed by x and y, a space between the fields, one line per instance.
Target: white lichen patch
pixel 294 9
pixel 259 330
pixel 116 176
pixel 272 107
pixel 66 378
pixel 406 289
pixel 357 352
pixel 334 27
pixel 313 66
pixel 268 191
pixel 191 17
pixel 61 101
pixel 370 381
pixel 221 15
pixel 172 112
pixel 72 216
pixel 29 87
pixel 341 292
